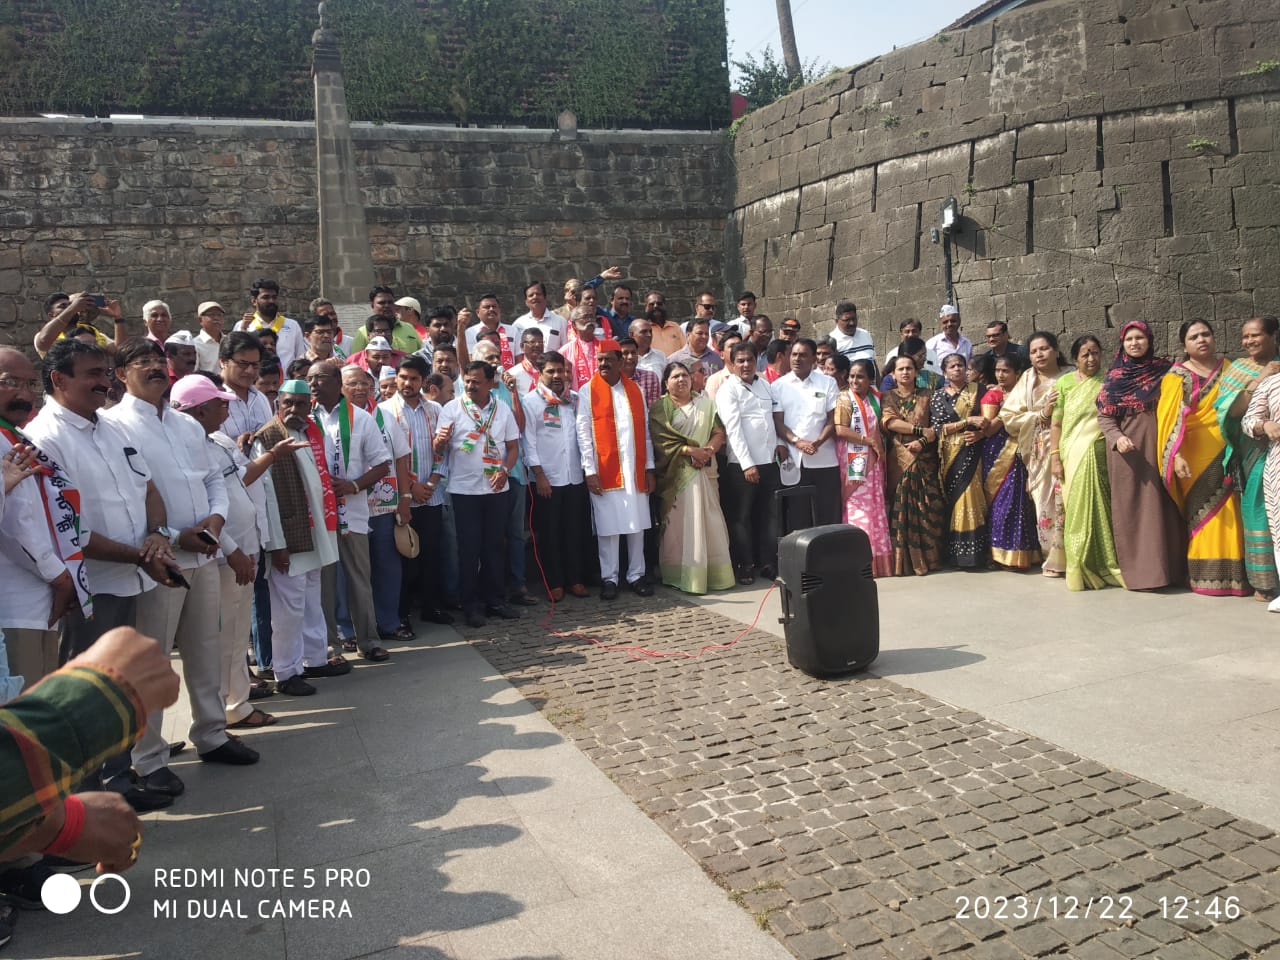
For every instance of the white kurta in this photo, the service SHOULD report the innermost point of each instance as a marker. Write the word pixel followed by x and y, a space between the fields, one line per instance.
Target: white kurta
pixel 617 511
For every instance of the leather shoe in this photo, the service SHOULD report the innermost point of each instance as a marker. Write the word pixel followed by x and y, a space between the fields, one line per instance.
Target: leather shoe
pixel 437 616
pixel 475 619
pixel 522 599
pixel 295 686
pixel 266 673
pixel 163 780
pixel 376 655
pixel 579 590
pixel 260 691
pixel 136 794
pixel 177 747
pixel 502 611
pixel 232 752
pixel 767 573
pixel 640 588
pixel 333 668
pixel 557 594
pixel 608 590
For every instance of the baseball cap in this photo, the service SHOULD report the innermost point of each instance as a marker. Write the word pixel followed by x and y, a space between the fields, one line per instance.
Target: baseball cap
pixel 411 303
pixel 195 389
pixel 207 306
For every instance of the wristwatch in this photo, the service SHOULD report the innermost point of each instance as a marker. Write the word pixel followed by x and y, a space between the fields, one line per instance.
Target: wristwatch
pixel 168 534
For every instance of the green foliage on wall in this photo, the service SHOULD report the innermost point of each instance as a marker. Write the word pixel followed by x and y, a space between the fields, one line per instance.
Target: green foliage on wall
pixel 613 62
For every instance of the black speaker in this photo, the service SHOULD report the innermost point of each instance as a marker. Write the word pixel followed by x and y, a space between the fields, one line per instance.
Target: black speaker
pixel 830 607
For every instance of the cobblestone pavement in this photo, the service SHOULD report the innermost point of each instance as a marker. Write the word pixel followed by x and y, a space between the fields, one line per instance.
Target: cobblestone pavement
pixel 859 816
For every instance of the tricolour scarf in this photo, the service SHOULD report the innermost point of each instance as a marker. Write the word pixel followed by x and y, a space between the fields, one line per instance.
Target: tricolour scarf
pixel 604 429
pixel 61 502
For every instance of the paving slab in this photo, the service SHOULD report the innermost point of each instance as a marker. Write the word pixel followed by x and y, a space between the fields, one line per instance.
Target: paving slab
pixel 439 813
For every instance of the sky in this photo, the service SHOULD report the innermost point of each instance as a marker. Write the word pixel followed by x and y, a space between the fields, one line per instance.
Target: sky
pixel 840 33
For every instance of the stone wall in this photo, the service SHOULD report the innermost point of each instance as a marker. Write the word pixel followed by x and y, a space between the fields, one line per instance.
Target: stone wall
pixel 190 211
pixel 1112 159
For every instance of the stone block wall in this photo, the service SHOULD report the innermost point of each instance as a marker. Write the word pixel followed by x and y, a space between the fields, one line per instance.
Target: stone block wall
pixel 196 210
pixel 1112 159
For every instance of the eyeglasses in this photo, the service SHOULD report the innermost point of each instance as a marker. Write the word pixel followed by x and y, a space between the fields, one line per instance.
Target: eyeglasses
pixel 707 306
pixel 245 365
pixel 13 383
pixel 150 361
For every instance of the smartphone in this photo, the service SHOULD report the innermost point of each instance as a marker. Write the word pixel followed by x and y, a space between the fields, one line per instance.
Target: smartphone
pixel 99 301
pixel 207 537
pixel 176 576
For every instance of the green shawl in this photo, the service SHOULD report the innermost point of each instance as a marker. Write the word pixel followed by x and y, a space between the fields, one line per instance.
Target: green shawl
pixel 675 471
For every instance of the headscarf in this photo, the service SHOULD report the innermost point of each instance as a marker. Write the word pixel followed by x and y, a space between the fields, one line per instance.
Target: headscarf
pixel 1132 384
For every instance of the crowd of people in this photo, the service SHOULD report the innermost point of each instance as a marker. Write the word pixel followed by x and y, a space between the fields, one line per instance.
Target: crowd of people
pixel 280 494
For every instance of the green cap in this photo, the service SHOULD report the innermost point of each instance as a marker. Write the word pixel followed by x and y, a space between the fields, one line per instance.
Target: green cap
pixel 295 386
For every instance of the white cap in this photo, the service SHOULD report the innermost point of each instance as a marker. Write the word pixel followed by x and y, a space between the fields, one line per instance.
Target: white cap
pixel 949 310
pixel 388 373
pixel 207 306
pixel 411 303
pixel 182 338
pixel 378 343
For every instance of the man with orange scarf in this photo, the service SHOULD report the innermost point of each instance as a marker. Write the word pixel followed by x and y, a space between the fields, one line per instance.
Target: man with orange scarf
pixel 617 459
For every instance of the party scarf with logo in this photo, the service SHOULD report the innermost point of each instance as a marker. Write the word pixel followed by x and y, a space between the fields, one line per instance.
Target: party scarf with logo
pixel 335 507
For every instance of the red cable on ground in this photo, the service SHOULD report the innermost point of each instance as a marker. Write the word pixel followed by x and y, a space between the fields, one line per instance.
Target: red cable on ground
pixel 636 652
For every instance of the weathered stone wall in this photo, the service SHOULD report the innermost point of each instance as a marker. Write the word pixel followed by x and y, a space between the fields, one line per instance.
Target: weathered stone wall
pixel 1112 159
pixel 190 211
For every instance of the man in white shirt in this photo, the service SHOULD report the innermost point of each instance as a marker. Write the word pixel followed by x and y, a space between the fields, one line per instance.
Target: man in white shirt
pixel 211 317
pixel 195 498
pixel 121 514
pixel 750 477
pixel 559 494
pixel 726 341
pixel 36 584
pixel 240 357
pixel 531 351
pixel 490 313
pixel 950 340
pixel 481 443
pixel 265 296
pixel 851 340
pixel 746 305
pixel 421 577
pixel 804 403
pixel 361 459
pixel 239 542
pixel 386 506
pixel 911 328
pixel 555 329
pixel 617 461
pixel 647 358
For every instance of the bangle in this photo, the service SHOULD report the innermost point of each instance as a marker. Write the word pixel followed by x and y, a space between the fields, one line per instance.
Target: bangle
pixel 72 826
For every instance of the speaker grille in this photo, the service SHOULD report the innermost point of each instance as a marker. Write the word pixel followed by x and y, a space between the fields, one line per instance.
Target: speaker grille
pixel 810 582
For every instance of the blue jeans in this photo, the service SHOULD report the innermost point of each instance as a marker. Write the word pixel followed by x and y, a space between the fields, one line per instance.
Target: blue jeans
pixel 384 563
pixel 260 625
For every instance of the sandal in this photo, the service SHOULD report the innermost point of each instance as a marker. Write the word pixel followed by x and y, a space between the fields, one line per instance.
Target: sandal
pixel 350 646
pixel 258 718
pixel 405 633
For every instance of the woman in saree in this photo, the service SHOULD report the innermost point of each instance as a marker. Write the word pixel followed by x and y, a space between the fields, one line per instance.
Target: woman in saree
pixel 954 413
pixel 1262 423
pixel 1011 514
pixel 1148 530
pixel 1193 457
pixel 1028 416
pixel 861 450
pixel 917 506
pixel 1079 460
pixel 694 550
pixel 1246 455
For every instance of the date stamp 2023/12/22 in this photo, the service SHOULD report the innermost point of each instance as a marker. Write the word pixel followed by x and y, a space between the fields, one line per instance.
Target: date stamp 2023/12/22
pixel 1119 908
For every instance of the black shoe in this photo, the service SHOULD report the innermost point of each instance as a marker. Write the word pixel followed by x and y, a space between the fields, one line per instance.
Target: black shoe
pixel 295 686
pixel 176 748
pixel 233 752
pixel 746 576
pixel 136 794
pixel 502 611
pixel 21 885
pixel 375 654
pixel 8 917
pixel 522 600
pixel 163 780
pixel 608 590
pixel 640 588
pixel 260 691
pixel 475 619
pixel 768 573
pixel 266 673
pixel 437 616
pixel 334 668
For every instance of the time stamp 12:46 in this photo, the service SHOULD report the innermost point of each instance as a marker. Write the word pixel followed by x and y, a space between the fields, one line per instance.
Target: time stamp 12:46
pixel 1118 908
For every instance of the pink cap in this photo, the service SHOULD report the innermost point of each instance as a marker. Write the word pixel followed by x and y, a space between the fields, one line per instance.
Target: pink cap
pixel 195 389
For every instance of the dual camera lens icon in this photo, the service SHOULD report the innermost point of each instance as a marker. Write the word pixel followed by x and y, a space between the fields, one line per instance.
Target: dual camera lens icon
pixel 61 893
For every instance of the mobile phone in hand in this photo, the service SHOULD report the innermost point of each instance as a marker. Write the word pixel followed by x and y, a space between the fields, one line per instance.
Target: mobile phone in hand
pixel 207 537
pixel 99 301
pixel 176 576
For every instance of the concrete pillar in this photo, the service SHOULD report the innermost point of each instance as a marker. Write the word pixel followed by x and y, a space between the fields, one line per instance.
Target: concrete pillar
pixel 346 267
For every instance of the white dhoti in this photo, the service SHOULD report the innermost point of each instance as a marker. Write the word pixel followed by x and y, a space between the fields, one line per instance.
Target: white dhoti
pixel 298 637
pixel 189 617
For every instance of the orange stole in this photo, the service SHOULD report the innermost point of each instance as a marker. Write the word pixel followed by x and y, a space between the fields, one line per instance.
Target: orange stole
pixel 604 431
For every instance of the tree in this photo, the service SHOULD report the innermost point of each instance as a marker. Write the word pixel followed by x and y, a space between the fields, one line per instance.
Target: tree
pixel 787 30
pixel 766 80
